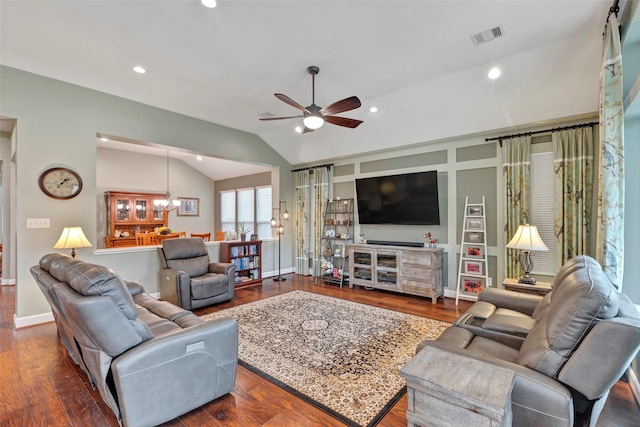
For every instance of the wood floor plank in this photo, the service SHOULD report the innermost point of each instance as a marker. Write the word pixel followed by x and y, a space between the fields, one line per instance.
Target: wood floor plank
pixel 27 398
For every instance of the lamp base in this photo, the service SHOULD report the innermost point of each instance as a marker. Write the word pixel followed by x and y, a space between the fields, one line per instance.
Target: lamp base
pixel 279 279
pixel 527 280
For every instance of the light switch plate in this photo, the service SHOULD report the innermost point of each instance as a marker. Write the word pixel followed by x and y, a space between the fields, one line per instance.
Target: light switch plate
pixel 38 223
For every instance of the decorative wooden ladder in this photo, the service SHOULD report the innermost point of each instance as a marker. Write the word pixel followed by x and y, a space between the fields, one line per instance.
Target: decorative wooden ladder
pixel 473 273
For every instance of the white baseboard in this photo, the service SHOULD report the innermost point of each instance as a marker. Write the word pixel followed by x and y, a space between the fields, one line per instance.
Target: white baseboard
pixel 450 293
pixel 269 274
pixel 24 322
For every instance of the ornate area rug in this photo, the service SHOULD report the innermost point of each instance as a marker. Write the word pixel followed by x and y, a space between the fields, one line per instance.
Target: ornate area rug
pixel 343 357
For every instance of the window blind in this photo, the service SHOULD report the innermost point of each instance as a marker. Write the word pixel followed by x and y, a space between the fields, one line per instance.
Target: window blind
pixel 228 210
pixel 263 212
pixel 542 213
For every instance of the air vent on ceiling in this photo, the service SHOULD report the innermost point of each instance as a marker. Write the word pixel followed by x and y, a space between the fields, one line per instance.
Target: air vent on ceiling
pixel 487 36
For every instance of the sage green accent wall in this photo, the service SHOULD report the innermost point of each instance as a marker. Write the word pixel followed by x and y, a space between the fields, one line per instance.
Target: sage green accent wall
pixel 403 162
pixel 476 183
pixel 344 170
pixel 57 125
pixel 476 152
pixel 345 190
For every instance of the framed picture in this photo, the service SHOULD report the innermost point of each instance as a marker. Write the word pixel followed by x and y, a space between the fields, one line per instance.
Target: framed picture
pixel 474 237
pixel 474 210
pixel 189 206
pixel 472 267
pixel 474 224
pixel 330 233
pixel 474 252
pixel 472 285
pixel 254 237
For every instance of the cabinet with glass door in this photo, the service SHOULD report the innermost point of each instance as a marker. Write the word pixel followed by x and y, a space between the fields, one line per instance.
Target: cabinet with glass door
pixel 131 213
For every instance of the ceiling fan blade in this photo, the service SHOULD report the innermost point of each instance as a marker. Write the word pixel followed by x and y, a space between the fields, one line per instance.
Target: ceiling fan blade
pixel 346 104
pixel 279 118
pixel 294 104
pixel 343 121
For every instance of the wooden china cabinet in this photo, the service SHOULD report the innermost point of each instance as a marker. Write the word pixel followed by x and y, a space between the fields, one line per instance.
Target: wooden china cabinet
pixel 131 213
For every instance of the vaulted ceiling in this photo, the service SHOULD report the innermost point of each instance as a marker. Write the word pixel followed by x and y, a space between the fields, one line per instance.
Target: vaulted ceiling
pixel 414 60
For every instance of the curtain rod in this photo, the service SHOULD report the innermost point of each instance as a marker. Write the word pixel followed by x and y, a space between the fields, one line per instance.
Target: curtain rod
pixel 500 138
pixel 328 165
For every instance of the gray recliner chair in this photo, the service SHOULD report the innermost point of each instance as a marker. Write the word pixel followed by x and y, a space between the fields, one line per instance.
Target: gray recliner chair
pixel 188 278
pixel 577 343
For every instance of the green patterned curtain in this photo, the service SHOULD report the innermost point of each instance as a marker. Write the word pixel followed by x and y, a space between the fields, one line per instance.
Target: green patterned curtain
pixel 301 218
pixel 516 172
pixel 573 167
pixel 322 186
pixel 610 226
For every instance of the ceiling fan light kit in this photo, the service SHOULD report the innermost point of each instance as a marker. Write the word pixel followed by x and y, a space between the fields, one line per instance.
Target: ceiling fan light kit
pixel 314 116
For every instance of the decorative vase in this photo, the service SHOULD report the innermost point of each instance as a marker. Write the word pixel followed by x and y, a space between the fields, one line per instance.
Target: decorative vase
pixel 243 236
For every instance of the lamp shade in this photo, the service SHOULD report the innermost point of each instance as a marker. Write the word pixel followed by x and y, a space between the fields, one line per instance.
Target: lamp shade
pixel 527 239
pixel 71 238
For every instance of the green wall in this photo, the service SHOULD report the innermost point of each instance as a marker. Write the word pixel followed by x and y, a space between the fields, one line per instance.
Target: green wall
pixel 57 125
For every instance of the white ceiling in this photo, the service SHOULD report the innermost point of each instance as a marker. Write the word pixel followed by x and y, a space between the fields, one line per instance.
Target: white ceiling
pixel 413 59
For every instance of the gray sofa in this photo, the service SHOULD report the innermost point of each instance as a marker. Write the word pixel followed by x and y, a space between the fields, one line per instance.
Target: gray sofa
pixel 188 278
pixel 150 360
pixel 567 349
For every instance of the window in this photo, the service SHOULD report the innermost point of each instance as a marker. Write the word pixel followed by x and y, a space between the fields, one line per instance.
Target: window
pixel 252 206
pixel 228 210
pixel 246 208
pixel 542 213
pixel 263 212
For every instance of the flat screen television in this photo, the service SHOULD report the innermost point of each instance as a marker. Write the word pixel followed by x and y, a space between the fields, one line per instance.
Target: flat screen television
pixel 410 198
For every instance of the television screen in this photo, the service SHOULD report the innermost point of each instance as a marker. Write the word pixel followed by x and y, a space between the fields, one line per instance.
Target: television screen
pixel 399 199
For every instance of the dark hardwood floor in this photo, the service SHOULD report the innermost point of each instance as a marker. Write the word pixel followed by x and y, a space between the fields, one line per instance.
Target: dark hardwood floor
pixel 41 386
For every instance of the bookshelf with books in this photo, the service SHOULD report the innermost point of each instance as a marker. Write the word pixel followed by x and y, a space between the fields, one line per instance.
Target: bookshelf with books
pixel 246 258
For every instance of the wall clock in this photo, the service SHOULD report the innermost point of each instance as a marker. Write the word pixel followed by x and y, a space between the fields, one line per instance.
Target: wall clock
pixel 60 183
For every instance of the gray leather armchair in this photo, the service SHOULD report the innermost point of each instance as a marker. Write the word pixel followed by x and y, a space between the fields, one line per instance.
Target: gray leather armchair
pixel 188 279
pixel 576 343
pixel 150 360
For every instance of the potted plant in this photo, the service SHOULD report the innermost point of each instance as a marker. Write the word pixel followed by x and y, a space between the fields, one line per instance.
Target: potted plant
pixel 243 229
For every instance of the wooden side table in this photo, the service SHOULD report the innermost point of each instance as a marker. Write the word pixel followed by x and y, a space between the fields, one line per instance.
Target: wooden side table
pixel 446 389
pixel 540 288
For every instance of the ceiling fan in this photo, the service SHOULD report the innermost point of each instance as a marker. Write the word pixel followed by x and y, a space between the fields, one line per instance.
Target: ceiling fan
pixel 314 116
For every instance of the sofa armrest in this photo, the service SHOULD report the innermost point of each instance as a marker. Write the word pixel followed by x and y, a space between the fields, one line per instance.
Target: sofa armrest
pixel 174 286
pixel 221 268
pixel 605 353
pixel 518 301
pixel 176 372
pixel 135 288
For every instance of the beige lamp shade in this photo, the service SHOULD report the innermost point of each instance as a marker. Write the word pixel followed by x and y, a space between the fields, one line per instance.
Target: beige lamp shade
pixel 527 239
pixel 72 238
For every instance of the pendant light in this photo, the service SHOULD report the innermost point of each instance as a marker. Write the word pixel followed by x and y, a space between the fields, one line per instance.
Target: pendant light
pixel 166 204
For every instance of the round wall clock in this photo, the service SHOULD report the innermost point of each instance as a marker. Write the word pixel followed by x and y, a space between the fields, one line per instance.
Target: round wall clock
pixel 60 183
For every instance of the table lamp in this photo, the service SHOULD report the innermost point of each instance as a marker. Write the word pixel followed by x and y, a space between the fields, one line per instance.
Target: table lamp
pixel 72 237
pixel 527 240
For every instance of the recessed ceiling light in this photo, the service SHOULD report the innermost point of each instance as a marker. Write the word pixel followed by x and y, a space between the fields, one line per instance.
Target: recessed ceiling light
pixel 298 129
pixel 103 139
pixel 494 73
pixel 138 69
pixel 373 109
pixel 199 158
pixel 209 3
